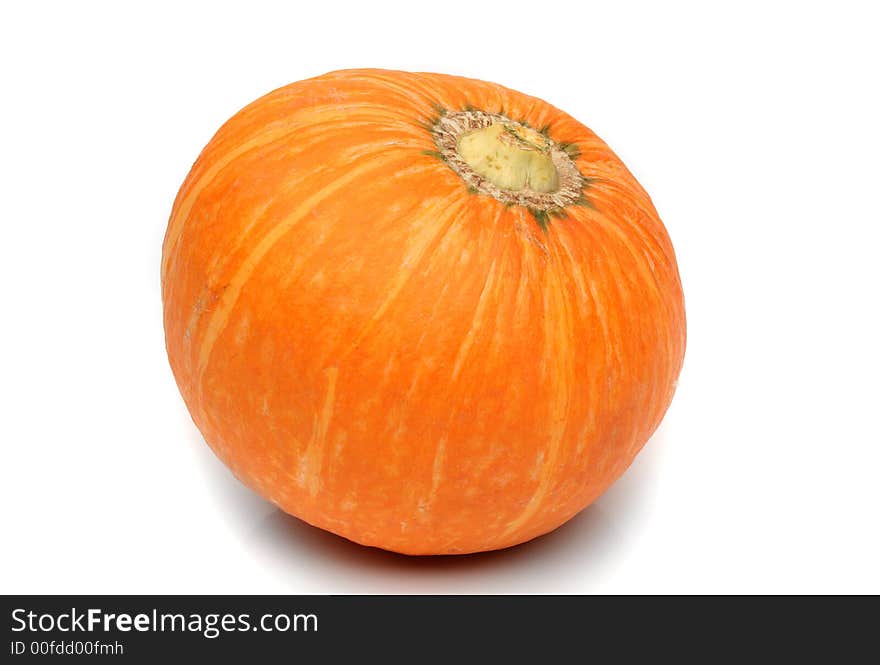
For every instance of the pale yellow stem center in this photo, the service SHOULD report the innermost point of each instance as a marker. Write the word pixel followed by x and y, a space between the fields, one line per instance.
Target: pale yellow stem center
pixel 510 156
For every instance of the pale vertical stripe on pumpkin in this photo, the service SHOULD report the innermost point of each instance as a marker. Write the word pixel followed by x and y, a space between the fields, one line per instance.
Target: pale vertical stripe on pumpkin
pixel 434 260
pixel 648 277
pixel 300 125
pixel 591 307
pixel 641 223
pixel 312 461
pixel 416 249
pixel 655 263
pixel 621 289
pixel 436 471
pixel 482 302
pixel 558 364
pixel 420 248
pixel 302 257
pixel 181 215
pixel 611 293
pixel 230 295
pixel 601 396
pixel 648 281
pixel 224 254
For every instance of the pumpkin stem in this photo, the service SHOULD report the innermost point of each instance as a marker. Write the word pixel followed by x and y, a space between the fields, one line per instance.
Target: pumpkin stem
pixel 509 161
pixel 510 156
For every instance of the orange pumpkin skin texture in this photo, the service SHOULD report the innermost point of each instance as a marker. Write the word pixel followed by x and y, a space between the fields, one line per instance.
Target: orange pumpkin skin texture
pixel 400 359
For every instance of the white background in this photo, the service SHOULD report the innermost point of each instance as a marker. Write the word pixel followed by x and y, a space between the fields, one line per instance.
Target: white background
pixel 754 128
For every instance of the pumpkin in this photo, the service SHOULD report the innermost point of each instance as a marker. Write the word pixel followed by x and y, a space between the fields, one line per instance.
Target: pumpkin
pixel 427 313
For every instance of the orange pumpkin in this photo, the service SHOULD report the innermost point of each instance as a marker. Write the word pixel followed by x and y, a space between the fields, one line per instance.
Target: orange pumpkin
pixel 426 313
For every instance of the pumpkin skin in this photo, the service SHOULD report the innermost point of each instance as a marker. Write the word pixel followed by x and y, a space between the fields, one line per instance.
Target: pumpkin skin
pixel 394 357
